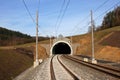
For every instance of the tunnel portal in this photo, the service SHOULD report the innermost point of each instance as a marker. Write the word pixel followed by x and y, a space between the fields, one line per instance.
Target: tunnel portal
pixel 61 48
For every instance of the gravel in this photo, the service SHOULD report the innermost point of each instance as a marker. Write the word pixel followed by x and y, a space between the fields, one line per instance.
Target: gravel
pixel 42 72
pixel 60 72
pixel 85 72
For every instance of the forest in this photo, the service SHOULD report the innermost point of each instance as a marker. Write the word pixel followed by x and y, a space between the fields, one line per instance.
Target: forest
pixel 111 19
pixel 11 38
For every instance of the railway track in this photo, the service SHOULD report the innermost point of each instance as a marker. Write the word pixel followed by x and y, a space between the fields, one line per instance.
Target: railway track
pixel 53 73
pixel 107 70
pixel 52 70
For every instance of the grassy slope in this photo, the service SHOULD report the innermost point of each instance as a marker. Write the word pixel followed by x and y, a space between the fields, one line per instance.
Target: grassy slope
pixel 13 63
pixel 98 35
pixel 102 49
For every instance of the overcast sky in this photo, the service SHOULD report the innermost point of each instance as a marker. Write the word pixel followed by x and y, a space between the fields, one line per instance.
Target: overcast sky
pixel 13 15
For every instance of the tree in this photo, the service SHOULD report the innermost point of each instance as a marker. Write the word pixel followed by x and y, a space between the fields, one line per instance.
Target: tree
pixel 111 19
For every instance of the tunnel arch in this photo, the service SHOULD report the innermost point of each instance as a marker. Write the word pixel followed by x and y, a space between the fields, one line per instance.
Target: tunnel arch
pixel 61 47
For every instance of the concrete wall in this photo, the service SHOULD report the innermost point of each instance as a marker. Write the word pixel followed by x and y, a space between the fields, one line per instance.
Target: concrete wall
pixel 47 47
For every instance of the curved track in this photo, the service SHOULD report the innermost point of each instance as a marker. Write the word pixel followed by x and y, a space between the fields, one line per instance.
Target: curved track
pixel 107 70
pixel 52 72
pixel 73 75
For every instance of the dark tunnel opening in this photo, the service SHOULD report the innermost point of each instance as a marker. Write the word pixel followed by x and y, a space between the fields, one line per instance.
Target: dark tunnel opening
pixel 61 48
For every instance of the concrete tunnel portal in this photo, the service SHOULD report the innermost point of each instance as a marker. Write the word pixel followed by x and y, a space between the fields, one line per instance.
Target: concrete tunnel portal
pixel 61 47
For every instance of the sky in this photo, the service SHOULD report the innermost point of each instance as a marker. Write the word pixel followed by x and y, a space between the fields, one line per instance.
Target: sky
pixel 73 20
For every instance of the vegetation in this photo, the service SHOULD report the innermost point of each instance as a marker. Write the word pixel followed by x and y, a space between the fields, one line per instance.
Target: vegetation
pixel 106 44
pixel 111 19
pixel 12 63
pixel 11 33
pixel 11 38
pixel 15 60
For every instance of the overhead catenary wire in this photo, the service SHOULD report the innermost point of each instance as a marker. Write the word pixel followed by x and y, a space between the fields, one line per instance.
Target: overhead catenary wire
pixel 57 28
pixel 107 10
pixel 38 24
pixel 81 28
pixel 61 18
pixel 102 13
pixel 63 14
pixel 77 25
pixel 38 5
pixel 100 6
pixel 56 24
pixel 38 14
pixel 28 11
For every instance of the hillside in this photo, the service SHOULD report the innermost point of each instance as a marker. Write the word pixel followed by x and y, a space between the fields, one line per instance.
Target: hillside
pixel 107 47
pixel 12 63
pixel 15 55
pixel 10 37
pixel 15 60
pixel 107 44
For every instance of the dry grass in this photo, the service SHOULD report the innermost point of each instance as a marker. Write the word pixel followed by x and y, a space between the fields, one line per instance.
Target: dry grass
pixel 15 59
pixel 42 54
pixel 13 63
pixel 109 53
pixel 106 42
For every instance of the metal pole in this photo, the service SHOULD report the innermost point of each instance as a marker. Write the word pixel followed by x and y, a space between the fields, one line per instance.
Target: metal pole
pixel 71 45
pixel 37 36
pixel 71 39
pixel 50 41
pixel 92 36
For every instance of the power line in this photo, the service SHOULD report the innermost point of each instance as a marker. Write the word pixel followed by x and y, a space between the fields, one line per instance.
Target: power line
pixel 38 5
pixel 77 29
pixel 63 14
pixel 59 15
pixel 101 5
pixel 107 10
pixel 28 12
pixel 76 26
pixel 42 30
pixel 89 15
pixel 38 13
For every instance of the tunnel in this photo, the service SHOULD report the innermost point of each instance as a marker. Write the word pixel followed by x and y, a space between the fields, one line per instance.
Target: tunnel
pixel 61 47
